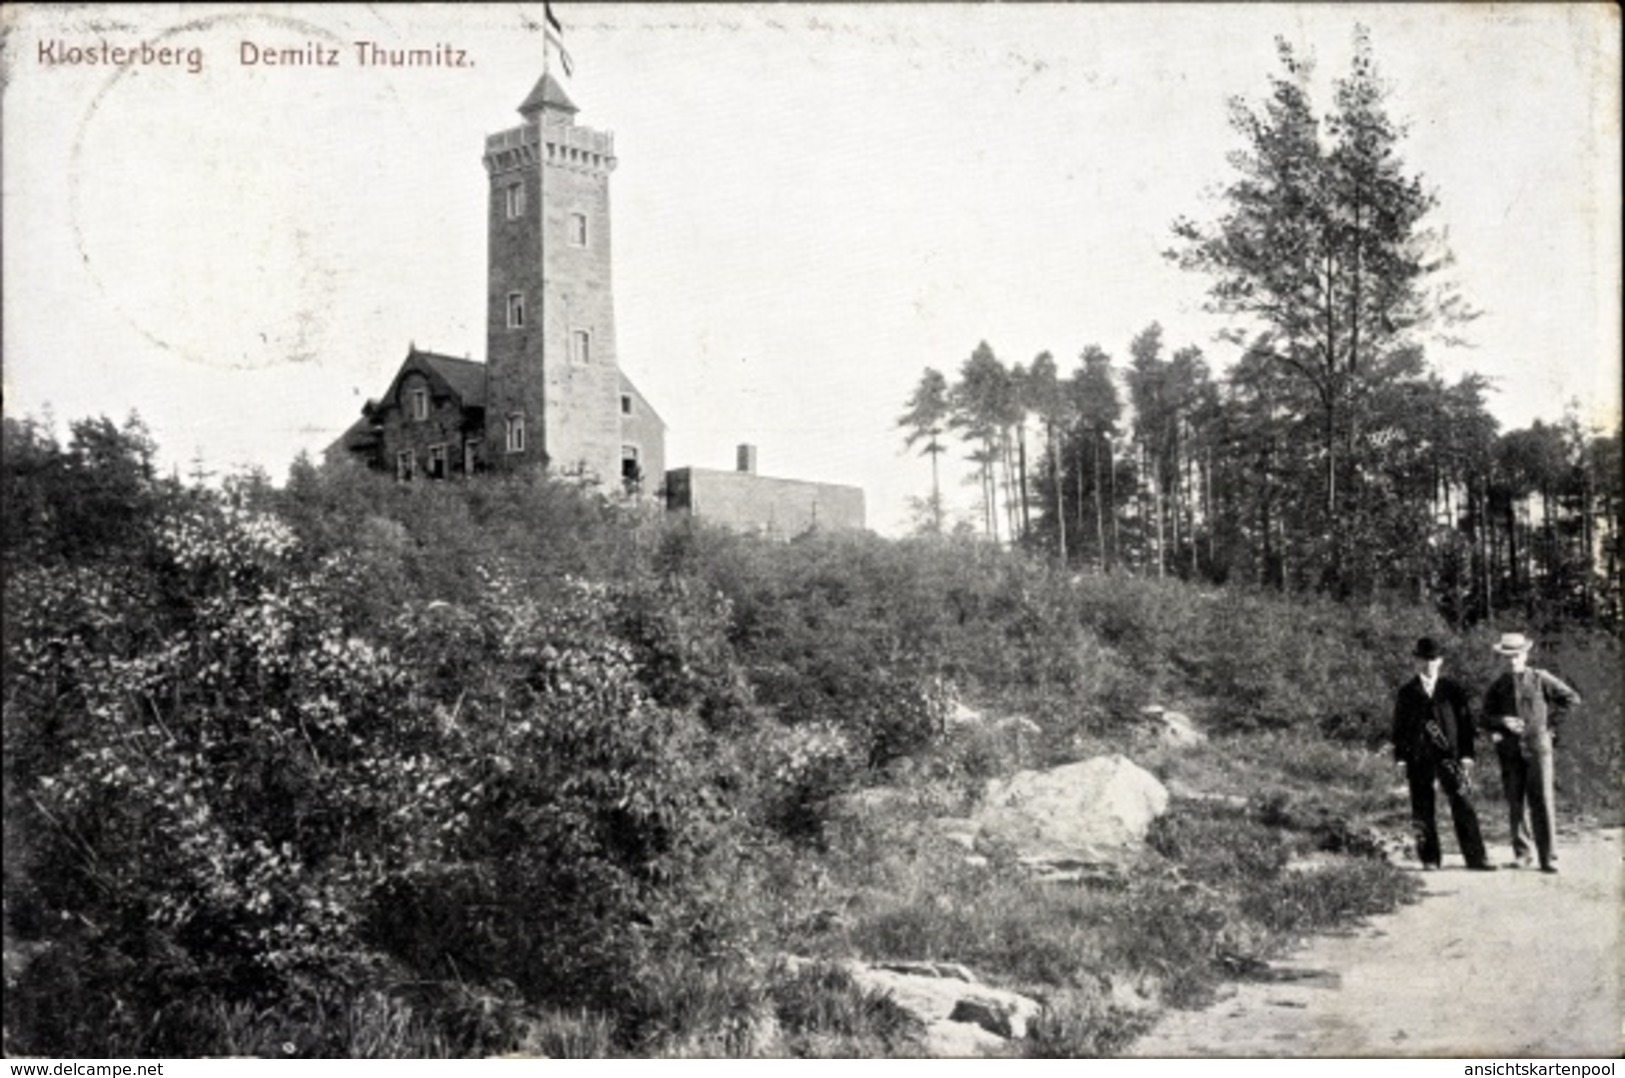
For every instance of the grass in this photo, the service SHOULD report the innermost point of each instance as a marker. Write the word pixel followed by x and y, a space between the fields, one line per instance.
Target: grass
pixel 845 635
pixel 1216 888
pixel 823 1013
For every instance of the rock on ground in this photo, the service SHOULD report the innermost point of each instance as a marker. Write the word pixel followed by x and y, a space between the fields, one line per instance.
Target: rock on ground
pixel 1174 729
pixel 962 1016
pixel 1097 811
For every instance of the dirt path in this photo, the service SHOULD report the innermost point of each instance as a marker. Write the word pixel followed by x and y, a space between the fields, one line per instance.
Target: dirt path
pixel 1509 963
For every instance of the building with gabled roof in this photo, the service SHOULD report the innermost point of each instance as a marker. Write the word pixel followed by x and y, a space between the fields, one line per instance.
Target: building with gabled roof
pixel 551 392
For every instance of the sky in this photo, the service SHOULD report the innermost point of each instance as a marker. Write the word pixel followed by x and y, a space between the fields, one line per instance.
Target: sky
pixel 812 204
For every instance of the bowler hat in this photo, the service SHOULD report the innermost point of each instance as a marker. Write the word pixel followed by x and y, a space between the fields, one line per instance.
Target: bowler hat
pixel 1428 648
pixel 1512 643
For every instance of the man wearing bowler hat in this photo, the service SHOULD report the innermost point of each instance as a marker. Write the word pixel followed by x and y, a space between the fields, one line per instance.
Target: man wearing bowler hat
pixel 1521 710
pixel 1433 743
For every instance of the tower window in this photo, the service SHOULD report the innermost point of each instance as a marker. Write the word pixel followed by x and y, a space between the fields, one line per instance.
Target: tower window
pixel 516 310
pixel 578 230
pixel 419 399
pixel 626 404
pixel 580 346
pixel 404 465
pixel 513 200
pixel 516 432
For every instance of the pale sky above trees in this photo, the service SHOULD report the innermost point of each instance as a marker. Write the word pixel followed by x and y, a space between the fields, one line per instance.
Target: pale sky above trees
pixel 813 203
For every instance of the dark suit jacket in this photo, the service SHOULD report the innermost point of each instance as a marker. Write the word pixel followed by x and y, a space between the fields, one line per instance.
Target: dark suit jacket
pixel 1412 709
pixel 1534 696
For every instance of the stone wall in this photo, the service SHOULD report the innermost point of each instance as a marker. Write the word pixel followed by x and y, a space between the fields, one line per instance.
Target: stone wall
pixel 581 396
pixel 444 426
pixel 643 430
pixel 780 508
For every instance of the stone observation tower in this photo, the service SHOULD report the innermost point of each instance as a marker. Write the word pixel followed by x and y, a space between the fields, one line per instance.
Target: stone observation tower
pixel 551 392
pixel 554 393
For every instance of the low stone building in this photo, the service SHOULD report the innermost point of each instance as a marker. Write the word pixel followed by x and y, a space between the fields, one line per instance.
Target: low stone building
pixel 746 501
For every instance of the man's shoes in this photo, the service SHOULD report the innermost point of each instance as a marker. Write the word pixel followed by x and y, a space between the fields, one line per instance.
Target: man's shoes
pixel 1483 866
pixel 1430 866
pixel 1550 870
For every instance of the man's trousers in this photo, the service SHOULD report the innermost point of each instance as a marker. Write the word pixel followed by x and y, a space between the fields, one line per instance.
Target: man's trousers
pixel 1421 775
pixel 1526 779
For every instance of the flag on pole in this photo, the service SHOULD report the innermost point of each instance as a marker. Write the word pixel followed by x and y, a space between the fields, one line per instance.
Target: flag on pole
pixel 553 34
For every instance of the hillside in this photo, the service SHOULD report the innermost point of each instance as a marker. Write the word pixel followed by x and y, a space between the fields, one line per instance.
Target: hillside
pixel 352 767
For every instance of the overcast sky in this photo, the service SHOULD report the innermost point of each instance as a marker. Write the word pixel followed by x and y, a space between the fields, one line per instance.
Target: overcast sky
pixel 812 204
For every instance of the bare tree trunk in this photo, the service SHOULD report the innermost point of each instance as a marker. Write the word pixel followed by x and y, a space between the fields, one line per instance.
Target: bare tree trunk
pixel 1193 500
pixel 1207 505
pixel 936 490
pixel 1111 490
pixel 1010 517
pixel 1080 497
pixel 990 512
pixel 1587 538
pixel 1611 566
pixel 1174 502
pixel 1100 518
pixel 1057 478
pixel 1021 468
pixel 1334 544
pixel 1513 560
pixel 1156 503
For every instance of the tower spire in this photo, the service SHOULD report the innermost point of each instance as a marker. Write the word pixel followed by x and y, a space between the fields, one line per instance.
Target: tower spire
pixel 546 94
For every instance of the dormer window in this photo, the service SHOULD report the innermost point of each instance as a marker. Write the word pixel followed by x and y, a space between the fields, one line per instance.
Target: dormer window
pixel 418 404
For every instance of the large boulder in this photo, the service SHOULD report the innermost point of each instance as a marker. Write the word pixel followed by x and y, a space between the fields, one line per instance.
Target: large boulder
pixel 1093 812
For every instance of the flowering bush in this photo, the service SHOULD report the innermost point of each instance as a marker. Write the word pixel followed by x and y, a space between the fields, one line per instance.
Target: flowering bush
pixel 231 784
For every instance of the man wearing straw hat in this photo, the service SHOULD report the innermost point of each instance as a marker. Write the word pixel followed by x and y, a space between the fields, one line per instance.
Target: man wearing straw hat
pixel 1521 709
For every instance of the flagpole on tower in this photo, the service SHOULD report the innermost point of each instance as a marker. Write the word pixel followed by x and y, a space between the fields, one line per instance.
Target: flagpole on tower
pixel 553 34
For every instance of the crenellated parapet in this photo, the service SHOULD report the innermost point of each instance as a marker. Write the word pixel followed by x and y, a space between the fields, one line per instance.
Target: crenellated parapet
pixel 565 146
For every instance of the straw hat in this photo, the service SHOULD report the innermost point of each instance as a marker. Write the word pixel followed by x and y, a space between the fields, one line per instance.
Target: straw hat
pixel 1512 644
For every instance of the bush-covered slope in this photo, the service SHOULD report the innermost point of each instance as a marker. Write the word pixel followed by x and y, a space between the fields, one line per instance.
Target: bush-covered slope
pixel 353 767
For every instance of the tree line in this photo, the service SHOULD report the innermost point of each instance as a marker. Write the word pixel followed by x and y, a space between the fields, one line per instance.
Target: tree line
pixel 1331 456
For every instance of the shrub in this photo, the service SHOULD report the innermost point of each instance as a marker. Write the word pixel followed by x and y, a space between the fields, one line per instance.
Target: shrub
pixel 234 789
pixel 1082 1023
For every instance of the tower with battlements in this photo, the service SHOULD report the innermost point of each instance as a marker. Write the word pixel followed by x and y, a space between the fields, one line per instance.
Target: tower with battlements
pixel 554 394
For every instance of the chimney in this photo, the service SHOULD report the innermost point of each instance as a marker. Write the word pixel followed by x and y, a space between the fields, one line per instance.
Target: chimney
pixel 747 459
